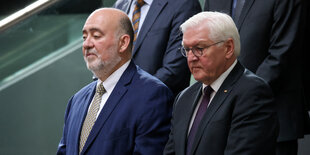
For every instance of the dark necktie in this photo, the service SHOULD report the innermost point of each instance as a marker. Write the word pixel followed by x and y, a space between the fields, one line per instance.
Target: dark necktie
pixel 136 18
pixel 199 115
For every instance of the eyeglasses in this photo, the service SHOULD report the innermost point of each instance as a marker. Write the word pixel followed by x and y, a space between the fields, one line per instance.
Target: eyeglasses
pixel 198 52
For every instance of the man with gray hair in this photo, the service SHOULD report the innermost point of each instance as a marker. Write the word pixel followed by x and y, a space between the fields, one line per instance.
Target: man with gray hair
pixel 229 110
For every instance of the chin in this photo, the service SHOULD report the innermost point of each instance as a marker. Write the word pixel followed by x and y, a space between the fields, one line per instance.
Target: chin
pixel 93 68
pixel 197 77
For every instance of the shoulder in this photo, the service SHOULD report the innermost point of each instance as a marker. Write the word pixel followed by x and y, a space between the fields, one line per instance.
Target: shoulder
pixel 189 90
pixel 143 83
pixel 148 80
pixel 87 87
pixel 85 90
pixel 81 95
pixel 188 94
pixel 250 77
pixel 243 77
pixel 151 96
pixel 251 83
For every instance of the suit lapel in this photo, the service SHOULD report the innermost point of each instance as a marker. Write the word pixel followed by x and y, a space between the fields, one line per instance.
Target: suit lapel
pixel 150 18
pixel 83 111
pixel 117 94
pixel 194 96
pixel 245 10
pixel 123 5
pixel 226 6
pixel 217 101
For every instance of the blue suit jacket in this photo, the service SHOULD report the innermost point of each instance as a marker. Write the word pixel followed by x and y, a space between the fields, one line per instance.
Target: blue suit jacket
pixel 134 120
pixel 157 46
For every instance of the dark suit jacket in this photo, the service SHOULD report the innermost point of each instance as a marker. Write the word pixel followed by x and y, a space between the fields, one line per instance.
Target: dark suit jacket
pixel 157 46
pixel 134 120
pixel 306 53
pixel 240 119
pixel 270 37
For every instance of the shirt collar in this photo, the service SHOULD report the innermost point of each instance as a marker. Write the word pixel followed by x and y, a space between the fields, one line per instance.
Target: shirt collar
pixel 148 2
pixel 111 81
pixel 219 81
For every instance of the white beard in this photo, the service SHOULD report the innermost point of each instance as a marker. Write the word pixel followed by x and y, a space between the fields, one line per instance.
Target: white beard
pixel 99 67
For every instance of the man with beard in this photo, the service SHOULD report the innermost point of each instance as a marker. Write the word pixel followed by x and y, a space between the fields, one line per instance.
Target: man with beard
pixel 126 111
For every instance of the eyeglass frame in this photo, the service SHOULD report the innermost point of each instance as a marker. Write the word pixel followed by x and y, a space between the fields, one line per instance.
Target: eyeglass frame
pixel 198 52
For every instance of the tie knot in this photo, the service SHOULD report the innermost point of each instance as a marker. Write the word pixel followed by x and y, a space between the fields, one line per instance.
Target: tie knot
pixel 100 89
pixel 208 90
pixel 140 2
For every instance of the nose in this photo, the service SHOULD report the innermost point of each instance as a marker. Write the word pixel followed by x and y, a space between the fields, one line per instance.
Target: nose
pixel 87 43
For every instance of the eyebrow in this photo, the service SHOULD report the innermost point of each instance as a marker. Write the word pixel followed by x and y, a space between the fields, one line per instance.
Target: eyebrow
pixel 200 43
pixel 93 30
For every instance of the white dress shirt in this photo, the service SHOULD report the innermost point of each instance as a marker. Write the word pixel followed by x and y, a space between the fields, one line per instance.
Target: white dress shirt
pixel 109 84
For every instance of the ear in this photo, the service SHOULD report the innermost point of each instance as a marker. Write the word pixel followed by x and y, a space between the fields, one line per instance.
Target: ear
pixel 124 43
pixel 230 48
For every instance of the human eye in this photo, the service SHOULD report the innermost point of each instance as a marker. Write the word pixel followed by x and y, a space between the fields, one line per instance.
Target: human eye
pixel 199 49
pixel 96 35
pixel 186 49
pixel 84 37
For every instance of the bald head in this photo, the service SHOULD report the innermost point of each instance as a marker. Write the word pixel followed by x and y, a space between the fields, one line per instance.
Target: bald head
pixel 111 11
pixel 114 18
pixel 108 37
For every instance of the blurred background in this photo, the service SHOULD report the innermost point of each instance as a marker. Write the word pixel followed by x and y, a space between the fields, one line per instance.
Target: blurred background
pixel 41 67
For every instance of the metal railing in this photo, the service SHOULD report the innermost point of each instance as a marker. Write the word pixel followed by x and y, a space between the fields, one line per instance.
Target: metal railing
pixel 25 13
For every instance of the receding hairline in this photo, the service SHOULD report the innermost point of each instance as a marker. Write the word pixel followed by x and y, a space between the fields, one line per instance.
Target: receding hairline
pixel 116 18
pixel 111 11
pixel 108 10
pixel 110 15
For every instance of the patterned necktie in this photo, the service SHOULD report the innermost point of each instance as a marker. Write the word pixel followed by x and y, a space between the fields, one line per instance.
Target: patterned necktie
pixel 200 112
pixel 136 18
pixel 91 115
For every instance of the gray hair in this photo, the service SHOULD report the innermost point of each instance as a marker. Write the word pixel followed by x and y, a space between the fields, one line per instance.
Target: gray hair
pixel 126 28
pixel 220 25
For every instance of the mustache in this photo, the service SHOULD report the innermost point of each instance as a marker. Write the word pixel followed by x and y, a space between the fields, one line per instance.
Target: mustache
pixel 91 51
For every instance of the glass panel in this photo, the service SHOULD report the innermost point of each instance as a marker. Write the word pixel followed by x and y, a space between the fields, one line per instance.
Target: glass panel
pixel 44 33
pixel 11 6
